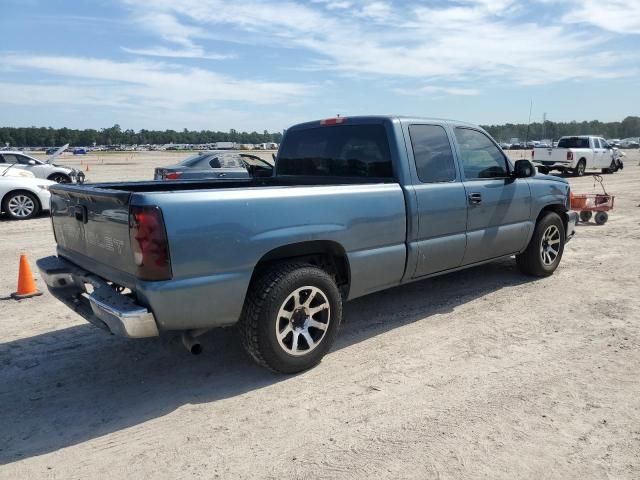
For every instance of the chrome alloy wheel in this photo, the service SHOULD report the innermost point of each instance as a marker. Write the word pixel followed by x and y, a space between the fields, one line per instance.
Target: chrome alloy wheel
pixel 550 245
pixel 21 206
pixel 303 321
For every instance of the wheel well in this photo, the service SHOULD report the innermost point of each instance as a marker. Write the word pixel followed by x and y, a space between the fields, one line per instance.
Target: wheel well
pixel 328 255
pixel 583 159
pixel 55 174
pixel 21 191
pixel 555 208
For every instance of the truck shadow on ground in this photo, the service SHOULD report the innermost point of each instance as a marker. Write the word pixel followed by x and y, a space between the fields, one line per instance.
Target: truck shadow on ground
pixel 68 386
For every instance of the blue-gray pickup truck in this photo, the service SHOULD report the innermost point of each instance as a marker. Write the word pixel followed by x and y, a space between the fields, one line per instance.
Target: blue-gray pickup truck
pixel 354 205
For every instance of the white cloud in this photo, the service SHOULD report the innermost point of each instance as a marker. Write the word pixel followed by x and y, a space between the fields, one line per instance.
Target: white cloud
pixel 478 39
pixel 194 52
pixel 438 90
pixel 622 16
pixel 147 83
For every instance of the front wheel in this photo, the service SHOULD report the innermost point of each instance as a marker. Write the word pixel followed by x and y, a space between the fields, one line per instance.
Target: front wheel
pixel 291 317
pixel 59 178
pixel 543 254
pixel 21 205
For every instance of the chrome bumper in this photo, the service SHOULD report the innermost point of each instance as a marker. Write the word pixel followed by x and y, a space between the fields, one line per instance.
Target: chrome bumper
pixel 103 307
pixel 572 220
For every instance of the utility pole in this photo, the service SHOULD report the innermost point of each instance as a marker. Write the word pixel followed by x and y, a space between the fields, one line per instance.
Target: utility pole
pixel 544 124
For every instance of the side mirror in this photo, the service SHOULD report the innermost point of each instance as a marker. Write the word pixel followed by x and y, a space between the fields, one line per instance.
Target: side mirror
pixel 523 169
pixel 31 162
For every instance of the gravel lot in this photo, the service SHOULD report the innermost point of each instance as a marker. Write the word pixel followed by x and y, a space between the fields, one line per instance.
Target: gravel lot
pixel 483 373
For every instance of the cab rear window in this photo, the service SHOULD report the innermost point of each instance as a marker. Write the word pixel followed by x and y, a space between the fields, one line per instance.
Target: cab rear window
pixel 337 151
pixel 573 142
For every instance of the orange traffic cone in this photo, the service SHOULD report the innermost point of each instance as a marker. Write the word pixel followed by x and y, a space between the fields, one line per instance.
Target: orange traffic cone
pixel 26 284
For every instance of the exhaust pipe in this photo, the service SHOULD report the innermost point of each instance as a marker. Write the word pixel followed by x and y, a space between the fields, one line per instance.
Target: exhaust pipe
pixel 191 343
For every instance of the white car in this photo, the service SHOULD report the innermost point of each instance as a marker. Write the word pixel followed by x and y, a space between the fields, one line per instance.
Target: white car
pixel 22 198
pixel 40 169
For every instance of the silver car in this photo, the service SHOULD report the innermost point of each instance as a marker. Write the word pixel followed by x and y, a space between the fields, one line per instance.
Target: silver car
pixel 216 164
pixel 39 169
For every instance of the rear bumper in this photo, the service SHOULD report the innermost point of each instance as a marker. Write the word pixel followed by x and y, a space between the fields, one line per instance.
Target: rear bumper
pixel 552 165
pixel 104 307
pixel 572 220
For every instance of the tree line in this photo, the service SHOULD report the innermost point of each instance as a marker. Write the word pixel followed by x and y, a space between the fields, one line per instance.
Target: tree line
pixel 54 137
pixel 629 127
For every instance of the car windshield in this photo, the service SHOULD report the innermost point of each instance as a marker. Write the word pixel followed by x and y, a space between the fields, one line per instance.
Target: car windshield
pixel 574 142
pixel 337 151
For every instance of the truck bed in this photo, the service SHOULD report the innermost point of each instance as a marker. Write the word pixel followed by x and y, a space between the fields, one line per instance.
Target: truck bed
pixel 219 230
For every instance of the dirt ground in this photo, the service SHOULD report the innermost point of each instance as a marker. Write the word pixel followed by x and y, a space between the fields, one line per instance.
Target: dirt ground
pixel 483 373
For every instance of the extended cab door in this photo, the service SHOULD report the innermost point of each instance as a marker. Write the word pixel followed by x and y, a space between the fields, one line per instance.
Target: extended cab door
pixel 498 205
pixel 440 238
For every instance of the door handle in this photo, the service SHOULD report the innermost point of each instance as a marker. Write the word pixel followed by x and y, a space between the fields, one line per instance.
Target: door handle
pixel 475 198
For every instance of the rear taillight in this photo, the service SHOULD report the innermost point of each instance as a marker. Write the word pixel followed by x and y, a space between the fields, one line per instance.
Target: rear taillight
pixel 173 175
pixel 149 243
pixel 569 156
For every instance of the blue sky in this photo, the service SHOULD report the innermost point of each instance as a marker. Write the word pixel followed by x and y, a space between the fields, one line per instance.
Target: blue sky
pixel 267 64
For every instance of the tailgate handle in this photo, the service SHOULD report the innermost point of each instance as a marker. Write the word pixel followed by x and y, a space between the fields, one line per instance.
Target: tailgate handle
pixel 81 213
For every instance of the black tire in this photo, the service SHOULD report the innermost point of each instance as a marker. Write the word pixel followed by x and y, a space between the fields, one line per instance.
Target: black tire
pixel 11 202
pixel 543 170
pixel 268 295
pixel 59 178
pixel 585 216
pixel 612 168
pixel 533 261
pixel 580 168
pixel 601 218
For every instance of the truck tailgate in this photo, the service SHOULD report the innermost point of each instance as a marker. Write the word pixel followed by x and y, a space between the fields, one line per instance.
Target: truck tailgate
pixel 92 225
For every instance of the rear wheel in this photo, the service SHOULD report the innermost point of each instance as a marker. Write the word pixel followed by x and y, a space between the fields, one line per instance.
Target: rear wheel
pixel 585 216
pixel 601 218
pixel 21 205
pixel 291 317
pixel 543 254
pixel 580 168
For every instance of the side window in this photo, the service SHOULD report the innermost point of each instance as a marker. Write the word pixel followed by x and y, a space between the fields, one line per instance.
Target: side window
pixel 23 160
pixel 480 157
pixel 596 143
pixel 432 153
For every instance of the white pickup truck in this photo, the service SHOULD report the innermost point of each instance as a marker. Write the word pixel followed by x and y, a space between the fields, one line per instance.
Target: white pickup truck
pixel 577 154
